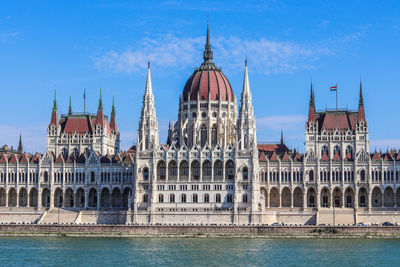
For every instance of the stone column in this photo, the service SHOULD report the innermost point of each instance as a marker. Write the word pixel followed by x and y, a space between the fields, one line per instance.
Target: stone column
pixel 39 197
pixel 86 198
pixel 291 199
pixel 304 200
pixel 383 198
pixel 98 199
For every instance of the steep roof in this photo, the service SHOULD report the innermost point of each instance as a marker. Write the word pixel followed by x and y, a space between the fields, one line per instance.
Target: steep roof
pixel 342 120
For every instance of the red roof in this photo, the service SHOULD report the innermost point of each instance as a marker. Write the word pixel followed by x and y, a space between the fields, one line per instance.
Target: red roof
pixel 208 83
pixel 35 158
pixel 285 157
pixel 60 158
pixel 82 124
pixel 273 157
pixel 13 159
pixel 262 157
pixel 4 158
pixel 376 156
pixel 342 120
pixel 297 157
pixel 348 156
pixel 325 156
pixel 272 147
pixel 336 157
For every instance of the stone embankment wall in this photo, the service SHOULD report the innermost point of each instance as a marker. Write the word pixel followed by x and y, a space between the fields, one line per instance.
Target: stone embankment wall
pixel 227 231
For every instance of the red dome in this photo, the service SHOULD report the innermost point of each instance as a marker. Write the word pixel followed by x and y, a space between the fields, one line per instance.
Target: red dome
pixel 208 83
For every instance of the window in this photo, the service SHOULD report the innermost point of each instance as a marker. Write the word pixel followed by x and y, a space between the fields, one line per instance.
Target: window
pixel 362 175
pixel 161 198
pixel 46 177
pixel 183 198
pixel 92 177
pixel 172 198
pixel 203 135
pixel 311 175
pixel 245 186
pixel 245 173
pixel 218 198
pixel 145 198
pixel 195 198
pixel 145 174
pixel 214 135
pixel 161 170
pixel 229 198
pixel 206 198
pixel 230 170
pixel 244 198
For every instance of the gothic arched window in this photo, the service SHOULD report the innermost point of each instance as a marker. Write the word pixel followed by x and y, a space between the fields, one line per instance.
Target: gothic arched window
pixel 214 135
pixel 203 135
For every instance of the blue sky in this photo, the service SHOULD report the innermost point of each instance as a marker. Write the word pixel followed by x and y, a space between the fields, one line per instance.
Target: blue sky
pixel 73 45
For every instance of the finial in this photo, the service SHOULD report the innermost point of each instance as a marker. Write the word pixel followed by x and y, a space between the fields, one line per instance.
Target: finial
pixel 282 137
pixel 361 100
pixel 245 62
pixel 148 64
pixel 20 148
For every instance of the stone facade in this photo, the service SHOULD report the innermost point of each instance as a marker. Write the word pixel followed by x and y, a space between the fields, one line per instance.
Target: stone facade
pixel 211 169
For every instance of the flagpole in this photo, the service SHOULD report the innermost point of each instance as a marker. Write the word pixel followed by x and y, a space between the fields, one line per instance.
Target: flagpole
pixel 336 95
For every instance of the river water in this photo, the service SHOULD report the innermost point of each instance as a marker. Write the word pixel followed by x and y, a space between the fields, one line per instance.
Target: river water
pixel 65 251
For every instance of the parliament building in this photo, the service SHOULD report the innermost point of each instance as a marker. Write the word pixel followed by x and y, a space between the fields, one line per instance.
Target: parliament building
pixel 211 170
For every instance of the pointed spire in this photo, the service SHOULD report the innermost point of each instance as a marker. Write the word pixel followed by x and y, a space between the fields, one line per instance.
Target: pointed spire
pixel 100 102
pixel 113 108
pixel 149 88
pixel 282 137
pixel 361 100
pixel 311 108
pixel 361 112
pixel 208 53
pixel 70 106
pixel 312 100
pixel 246 86
pixel 54 112
pixel 20 147
pixel 113 120
pixel 55 100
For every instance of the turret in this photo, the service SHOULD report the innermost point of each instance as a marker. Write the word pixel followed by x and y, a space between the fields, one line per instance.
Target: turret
pixel 246 121
pixel 148 126
pixel 70 106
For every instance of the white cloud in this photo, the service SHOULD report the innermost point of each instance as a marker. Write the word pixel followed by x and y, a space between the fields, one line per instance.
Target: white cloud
pixel 266 56
pixel 6 37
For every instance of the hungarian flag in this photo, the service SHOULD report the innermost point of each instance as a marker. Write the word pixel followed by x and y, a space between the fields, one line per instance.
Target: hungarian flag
pixel 333 88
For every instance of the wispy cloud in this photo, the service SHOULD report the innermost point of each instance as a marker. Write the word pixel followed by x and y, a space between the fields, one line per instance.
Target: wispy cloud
pixel 265 55
pixel 8 36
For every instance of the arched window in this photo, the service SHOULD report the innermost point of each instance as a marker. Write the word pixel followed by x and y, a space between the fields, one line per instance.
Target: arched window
pixel 195 198
pixel 206 169
pixel 244 198
pixel 325 149
pixel 218 169
pixel 230 169
pixel 206 198
pixel 46 177
pixel 92 177
pixel 145 198
pixel 172 170
pixel 145 173
pixel 196 170
pixel 311 175
pixel 203 135
pixel 349 150
pixel 161 198
pixel 229 198
pixel 183 198
pixel 161 170
pixel 245 173
pixel 218 198
pixel 362 175
pixel 184 169
pixel 336 150
pixel 172 198
pixel 214 135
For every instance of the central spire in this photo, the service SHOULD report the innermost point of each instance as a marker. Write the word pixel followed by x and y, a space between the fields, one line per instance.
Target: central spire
pixel 208 54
